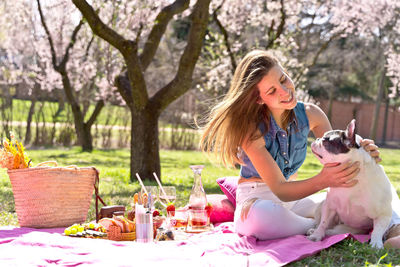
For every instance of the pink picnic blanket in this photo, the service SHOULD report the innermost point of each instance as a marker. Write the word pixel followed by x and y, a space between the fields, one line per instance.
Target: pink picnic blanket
pixel 219 247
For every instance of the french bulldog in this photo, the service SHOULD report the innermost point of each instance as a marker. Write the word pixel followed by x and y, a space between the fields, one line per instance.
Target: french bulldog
pixel 357 209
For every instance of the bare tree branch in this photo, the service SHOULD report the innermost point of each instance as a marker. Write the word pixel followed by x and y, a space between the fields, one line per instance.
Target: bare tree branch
pixel 61 67
pixel 46 29
pixel 88 47
pixel 226 37
pixel 139 32
pixel 71 43
pixel 128 49
pixel 124 88
pixel 281 27
pixel 96 112
pixel 158 30
pixel 321 49
pixel 101 29
pixel 183 79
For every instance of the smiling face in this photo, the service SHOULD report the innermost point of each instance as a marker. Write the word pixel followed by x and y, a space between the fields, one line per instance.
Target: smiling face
pixel 277 91
pixel 335 144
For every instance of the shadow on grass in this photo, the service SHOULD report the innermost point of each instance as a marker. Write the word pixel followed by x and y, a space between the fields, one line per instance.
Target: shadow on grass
pixel 107 162
pixel 173 163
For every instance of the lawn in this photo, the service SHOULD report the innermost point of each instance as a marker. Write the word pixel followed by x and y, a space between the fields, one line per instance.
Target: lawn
pixel 116 189
pixel 108 115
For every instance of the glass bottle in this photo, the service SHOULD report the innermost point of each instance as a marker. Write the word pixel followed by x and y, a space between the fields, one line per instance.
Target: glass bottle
pixel 197 199
pixel 197 214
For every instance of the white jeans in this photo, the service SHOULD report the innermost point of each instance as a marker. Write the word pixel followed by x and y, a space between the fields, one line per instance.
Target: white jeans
pixel 270 218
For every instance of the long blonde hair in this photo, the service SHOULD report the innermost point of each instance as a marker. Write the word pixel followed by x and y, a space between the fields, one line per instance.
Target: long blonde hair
pixel 238 115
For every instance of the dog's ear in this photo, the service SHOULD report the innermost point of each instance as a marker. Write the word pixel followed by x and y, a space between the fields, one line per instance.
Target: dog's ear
pixel 351 133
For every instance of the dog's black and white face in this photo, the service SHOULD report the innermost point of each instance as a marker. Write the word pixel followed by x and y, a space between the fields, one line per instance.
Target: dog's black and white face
pixel 335 145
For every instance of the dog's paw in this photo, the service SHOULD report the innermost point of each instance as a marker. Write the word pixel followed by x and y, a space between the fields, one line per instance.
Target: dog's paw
pixel 310 231
pixel 314 237
pixel 376 244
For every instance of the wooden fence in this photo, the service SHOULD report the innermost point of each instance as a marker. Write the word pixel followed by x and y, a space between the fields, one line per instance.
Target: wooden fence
pixel 344 112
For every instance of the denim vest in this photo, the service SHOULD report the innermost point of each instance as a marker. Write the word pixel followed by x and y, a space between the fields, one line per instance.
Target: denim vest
pixel 289 152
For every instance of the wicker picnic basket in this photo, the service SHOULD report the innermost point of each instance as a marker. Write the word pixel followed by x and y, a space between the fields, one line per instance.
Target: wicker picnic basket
pixel 48 197
pixel 114 233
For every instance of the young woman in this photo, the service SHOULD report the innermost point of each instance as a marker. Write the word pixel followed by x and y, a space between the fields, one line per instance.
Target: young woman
pixel 261 126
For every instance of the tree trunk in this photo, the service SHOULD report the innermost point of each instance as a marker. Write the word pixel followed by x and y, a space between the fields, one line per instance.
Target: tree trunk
pixel 37 120
pixel 79 122
pixel 132 86
pixel 43 134
pixel 82 128
pixel 61 103
pixel 86 138
pixel 145 158
pixel 379 97
pixel 385 120
pixel 330 104
pixel 28 134
pixel 7 116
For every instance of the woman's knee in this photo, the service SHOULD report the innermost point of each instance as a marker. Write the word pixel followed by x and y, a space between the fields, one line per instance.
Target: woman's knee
pixel 266 211
pixel 253 216
pixel 246 206
pixel 267 220
pixel 257 213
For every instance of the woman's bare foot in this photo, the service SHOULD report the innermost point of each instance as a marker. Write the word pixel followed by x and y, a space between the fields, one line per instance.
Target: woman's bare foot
pixel 393 237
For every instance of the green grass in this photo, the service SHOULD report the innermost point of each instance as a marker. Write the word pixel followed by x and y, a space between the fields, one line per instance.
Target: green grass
pixel 115 185
pixel 171 136
pixel 110 115
pixel 116 189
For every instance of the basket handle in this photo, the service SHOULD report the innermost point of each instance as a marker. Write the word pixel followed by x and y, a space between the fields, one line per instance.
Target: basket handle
pixel 47 163
pixel 55 164
pixel 96 192
pixel 71 167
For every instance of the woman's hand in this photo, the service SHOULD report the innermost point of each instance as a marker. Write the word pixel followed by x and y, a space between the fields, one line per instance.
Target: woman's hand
pixel 371 148
pixel 340 174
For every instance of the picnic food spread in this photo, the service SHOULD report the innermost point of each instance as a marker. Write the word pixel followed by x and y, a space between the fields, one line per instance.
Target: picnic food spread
pixel 88 230
pixel 143 223
pixel 109 211
pixel 114 225
pixel 125 225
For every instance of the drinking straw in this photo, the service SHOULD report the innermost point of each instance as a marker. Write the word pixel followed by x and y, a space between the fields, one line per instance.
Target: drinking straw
pixel 149 202
pixel 141 183
pixel 159 184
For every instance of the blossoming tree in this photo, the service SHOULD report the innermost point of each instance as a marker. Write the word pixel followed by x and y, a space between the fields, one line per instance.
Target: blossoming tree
pixel 286 26
pixel 145 23
pixel 379 20
pixel 47 47
pixel 74 56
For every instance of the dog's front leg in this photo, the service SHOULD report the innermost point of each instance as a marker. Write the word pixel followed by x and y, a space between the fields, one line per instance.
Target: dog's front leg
pixel 381 224
pixel 327 215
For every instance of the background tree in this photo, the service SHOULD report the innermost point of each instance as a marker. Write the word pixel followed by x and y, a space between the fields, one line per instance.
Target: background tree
pixel 138 55
pixel 62 55
pixel 330 50
pixel 283 27
pixel 82 70
pixel 21 62
pixel 372 20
